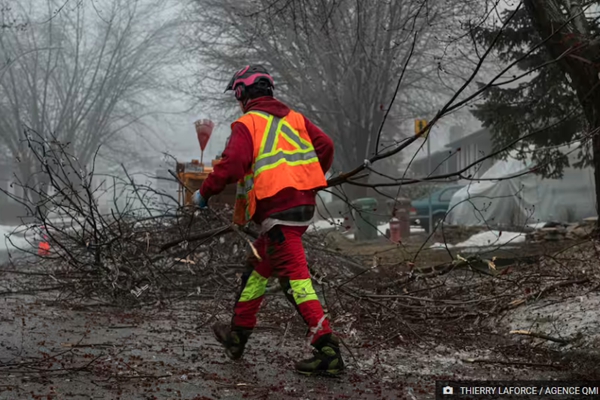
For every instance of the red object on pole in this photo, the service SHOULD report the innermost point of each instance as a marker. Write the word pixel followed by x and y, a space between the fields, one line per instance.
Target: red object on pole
pixel 395 230
pixel 204 128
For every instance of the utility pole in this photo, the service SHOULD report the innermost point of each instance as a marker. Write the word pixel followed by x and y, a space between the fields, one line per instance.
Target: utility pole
pixel 429 171
pixel 420 124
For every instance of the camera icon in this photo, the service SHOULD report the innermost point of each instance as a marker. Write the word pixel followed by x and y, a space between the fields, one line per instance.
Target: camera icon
pixel 447 390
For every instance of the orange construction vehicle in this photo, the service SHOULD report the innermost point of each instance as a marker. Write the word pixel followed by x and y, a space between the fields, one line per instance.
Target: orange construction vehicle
pixel 194 173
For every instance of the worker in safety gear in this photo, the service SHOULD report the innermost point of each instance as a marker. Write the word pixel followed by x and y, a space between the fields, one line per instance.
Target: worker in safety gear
pixel 279 159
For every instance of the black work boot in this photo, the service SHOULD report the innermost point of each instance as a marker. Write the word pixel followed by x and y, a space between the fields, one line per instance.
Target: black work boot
pixel 326 359
pixel 234 340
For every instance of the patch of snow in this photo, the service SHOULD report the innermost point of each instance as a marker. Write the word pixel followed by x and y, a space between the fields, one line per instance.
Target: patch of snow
pixel 438 245
pixel 493 238
pixel 17 235
pixel 537 225
pixel 326 224
pixel 576 319
pixel 486 239
pixel 382 228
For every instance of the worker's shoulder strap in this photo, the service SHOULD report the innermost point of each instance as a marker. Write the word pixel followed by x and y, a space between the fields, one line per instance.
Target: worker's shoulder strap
pixel 251 121
pixel 270 128
pixel 295 119
pixel 262 114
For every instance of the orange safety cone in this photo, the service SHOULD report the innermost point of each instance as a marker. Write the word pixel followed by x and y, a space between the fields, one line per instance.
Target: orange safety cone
pixel 44 246
pixel 44 249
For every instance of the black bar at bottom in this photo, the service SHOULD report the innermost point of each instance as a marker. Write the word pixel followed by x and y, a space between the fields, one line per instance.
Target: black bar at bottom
pixel 504 390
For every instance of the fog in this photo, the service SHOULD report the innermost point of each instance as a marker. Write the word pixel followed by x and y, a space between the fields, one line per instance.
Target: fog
pixel 439 223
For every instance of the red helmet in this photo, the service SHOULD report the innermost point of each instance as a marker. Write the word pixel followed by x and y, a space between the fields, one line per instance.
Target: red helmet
pixel 249 75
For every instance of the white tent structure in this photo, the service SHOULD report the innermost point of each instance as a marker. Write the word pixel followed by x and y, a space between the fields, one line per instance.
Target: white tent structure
pixel 507 195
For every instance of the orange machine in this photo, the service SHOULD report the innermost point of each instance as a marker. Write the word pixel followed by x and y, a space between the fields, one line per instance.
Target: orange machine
pixel 194 173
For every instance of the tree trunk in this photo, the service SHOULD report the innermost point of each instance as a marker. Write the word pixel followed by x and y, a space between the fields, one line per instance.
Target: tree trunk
pixel 34 186
pixel 579 65
pixel 26 178
pixel 596 150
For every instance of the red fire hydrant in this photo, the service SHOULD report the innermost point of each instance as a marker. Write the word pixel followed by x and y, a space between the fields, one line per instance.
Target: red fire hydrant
pixel 395 230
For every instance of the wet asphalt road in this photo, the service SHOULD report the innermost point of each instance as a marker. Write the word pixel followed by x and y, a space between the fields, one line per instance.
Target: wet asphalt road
pixel 161 354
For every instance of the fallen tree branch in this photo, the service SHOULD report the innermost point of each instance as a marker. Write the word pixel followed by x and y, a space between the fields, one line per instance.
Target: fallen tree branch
pixel 540 336
pixel 233 227
pixel 518 302
pixel 194 238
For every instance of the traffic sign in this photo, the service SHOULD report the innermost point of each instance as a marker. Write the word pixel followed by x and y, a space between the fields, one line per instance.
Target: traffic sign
pixel 420 124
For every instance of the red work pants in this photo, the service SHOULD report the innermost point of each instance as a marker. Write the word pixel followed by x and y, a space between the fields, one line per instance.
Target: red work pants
pixel 283 256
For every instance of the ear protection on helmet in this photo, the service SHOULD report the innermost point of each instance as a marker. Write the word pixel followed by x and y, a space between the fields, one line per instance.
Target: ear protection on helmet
pixel 240 92
pixel 248 76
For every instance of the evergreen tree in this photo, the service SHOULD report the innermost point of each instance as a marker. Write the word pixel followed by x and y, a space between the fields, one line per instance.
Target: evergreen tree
pixel 544 106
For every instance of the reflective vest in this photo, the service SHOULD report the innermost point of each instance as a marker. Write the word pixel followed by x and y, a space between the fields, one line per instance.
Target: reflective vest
pixel 284 157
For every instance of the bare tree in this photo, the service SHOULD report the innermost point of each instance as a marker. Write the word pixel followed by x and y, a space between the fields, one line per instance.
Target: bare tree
pixel 81 76
pixel 342 63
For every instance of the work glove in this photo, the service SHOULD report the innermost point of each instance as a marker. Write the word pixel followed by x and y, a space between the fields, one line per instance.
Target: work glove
pixel 199 201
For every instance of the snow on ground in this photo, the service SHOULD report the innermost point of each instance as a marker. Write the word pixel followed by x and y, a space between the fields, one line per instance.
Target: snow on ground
pixel 486 239
pixel 493 238
pixel 381 229
pixel 576 319
pixel 384 227
pixel 326 224
pixel 483 239
pixel 17 235
pixel 537 225
pixel 22 236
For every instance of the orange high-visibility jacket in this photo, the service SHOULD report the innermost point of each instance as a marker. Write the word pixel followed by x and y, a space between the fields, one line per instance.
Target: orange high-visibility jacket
pixel 284 157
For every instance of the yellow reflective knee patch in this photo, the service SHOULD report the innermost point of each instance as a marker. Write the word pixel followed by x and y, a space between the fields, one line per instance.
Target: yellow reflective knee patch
pixel 255 287
pixel 302 290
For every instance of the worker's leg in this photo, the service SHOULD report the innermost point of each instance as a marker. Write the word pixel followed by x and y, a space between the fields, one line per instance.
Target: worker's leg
pixel 254 282
pixel 288 261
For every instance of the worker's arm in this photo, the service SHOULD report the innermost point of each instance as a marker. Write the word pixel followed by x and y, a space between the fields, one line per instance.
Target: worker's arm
pixel 236 162
pixel 322 143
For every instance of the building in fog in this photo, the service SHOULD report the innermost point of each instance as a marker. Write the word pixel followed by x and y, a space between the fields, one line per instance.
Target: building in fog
pixel 458 154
